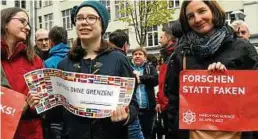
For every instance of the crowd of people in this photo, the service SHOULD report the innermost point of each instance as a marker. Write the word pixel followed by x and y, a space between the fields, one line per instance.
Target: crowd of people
pixel 199 40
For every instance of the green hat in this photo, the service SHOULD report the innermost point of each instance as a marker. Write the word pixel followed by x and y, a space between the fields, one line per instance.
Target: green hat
pixel 101 10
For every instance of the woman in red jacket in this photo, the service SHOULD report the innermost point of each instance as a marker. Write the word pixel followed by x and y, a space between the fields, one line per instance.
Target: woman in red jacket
pixel 18 58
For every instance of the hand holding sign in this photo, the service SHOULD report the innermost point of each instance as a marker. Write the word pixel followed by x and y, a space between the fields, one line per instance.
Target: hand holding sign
pixel 120 114
pixel 216 67
pixel 33 99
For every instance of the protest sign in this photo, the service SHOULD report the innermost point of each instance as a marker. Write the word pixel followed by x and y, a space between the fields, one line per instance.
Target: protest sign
pixel 12 104
pixel 86 95
pixel 219 101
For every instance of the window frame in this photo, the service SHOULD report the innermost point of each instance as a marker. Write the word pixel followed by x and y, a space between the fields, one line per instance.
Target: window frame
pixel 66 16
pixel 49 22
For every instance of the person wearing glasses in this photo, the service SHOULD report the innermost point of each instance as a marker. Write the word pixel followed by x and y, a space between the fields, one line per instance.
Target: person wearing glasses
pixel 91 21
pixel 17 58
pixel 42 46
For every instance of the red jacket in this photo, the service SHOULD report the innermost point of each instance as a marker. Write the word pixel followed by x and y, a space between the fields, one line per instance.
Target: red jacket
pixel 15 67
pixel 161 98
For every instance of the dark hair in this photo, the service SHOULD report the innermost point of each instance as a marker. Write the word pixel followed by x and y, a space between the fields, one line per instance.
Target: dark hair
pixel 177 29
pixel 152 60
pixel 119 38
pixel 58 35
pixel 6 16
pixel 167 31
pixel 77 52
pixel 218 13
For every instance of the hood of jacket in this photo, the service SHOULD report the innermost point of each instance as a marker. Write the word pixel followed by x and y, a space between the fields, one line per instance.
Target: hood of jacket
pixel 60 50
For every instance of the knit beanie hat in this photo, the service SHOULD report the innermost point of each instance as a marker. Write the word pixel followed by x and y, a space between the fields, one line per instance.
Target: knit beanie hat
pixel 101 10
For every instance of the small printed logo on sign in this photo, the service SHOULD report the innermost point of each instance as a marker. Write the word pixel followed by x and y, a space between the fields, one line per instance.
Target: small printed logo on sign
pixel 189 117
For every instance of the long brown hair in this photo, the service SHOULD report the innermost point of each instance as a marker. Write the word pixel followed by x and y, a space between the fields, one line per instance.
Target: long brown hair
pixel 218 14
pixel 77 52
pixel 6 16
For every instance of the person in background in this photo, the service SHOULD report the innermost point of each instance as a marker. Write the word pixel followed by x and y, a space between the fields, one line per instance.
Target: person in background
pixel 120 39
pixel 147 79
pixel 241 29
pixel 59 49
pixel 42 46
pixel 93 55
pixel 167 42
pixel 207 43
pixel 52 125
pixel 153 60
pixel 18 58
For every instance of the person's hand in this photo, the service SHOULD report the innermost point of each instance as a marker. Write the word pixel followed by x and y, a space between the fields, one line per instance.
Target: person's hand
pixel 120 114
pixel 158 108
pixel 216 67
pixel 33 99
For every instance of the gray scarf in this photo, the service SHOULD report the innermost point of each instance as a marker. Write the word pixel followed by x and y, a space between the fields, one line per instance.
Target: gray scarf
pixel 204 46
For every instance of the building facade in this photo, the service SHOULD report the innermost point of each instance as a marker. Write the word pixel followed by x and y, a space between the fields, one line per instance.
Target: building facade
pixel 49 13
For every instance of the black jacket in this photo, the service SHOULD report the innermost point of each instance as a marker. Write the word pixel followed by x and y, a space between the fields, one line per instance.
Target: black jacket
pixel 234 53
pixel 114 63
pixel 150 80
pixel 42 54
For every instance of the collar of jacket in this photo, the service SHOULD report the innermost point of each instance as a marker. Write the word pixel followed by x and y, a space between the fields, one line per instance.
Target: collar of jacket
pixel 19 49
pixel 167 51
pixel 122 51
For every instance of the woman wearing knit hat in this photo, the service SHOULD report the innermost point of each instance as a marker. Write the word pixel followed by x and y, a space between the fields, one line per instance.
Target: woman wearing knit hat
pixel 92 55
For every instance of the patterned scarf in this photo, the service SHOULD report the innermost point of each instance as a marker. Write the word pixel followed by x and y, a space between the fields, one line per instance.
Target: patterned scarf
pixel 204 46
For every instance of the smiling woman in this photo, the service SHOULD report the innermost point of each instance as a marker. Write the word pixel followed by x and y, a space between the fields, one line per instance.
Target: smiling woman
pixel 92 55
pixel 18 58
pixel 207 43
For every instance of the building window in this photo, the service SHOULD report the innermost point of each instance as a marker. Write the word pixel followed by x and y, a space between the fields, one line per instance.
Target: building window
pixel 119 5
pixel 48 3
pixel 39 4
pixel 152 36
pixel 48 21
pixel 107 4
pixel 23 4
pixel 40 21
pixel 229 18
pixel 66 15
pixel 3 2
pixel 70 42
pixel 173 4
pixel 17 3
pixel 20 4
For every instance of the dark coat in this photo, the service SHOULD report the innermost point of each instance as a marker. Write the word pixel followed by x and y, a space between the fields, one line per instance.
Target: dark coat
pixel 114 64
pixel 234 53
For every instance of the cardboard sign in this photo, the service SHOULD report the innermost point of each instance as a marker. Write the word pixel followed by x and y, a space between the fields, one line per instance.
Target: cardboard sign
pixel 11 105
pixel 219 101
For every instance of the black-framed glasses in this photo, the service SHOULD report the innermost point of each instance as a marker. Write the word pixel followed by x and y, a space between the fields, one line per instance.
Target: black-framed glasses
pixel 23 21
pixel 90 19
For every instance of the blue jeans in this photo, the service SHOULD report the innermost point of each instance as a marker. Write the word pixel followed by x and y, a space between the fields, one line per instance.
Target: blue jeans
pixel 134 130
